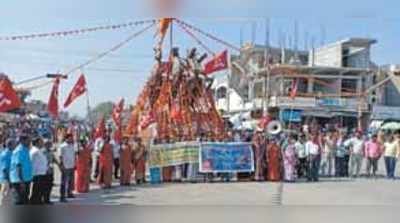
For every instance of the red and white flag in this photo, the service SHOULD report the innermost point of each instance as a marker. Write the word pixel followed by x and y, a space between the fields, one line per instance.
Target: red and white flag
pixel 9 99
pixel 52 106
pixel 100 130
pixel 78 90
pixel 294 88
pixel 117 112
pixel 147 121
pixel 218 63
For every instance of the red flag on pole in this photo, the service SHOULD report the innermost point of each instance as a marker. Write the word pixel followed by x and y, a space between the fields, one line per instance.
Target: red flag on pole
pixel 117 112
pixel 147 120
pixel 78 90
pixel 9 99
pixel 293 91
pixel 52 106
pixel 218 63
pixel 101 128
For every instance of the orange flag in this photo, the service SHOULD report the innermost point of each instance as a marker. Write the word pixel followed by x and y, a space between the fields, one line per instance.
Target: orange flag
pixel 52 106
pixel 9 99
pixel 163 26
pixel 101 128
pixel 78 90
pixel 117 113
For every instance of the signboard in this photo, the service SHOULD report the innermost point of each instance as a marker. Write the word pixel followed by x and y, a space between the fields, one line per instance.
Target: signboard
pixel 226 158
pixel 295 102
pixel 385 113
pixel 330 102
pixel 165 155
pixel 289 115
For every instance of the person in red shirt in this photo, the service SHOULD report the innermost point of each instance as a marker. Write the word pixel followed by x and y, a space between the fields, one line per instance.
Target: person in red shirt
pixel 83 164
pixel 126 163
pixel 373 152
pixel 105 164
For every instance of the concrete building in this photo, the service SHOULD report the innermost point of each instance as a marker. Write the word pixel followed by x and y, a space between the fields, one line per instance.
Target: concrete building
pixel 330 83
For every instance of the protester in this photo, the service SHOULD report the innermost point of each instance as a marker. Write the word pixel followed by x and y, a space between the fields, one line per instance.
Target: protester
pixel 313 151
pixel 83 164
pixel 39 166
pixel 356 145
pixel 116 146
pixel 49 178
pixel 274 158
pixel 140 162
pixel 126 162
pixel 373 152
pixel 98 145
pixel 391 153
pixel 259 147
pixel 328 154
pixel 67 163
pixel 5 163
pixel 302 165
pixel 289 159
pixel 341 152
pixel 105 164
pixel 21 171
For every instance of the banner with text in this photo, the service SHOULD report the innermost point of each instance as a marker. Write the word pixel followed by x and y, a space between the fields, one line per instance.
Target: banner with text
pixel 226 158
pixel 165 155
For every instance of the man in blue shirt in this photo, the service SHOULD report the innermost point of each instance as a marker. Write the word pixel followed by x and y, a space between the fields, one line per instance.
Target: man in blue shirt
pixel 21 171
pixel 5 162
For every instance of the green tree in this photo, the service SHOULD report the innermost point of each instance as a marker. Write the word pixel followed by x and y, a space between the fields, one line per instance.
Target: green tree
pixel 102 109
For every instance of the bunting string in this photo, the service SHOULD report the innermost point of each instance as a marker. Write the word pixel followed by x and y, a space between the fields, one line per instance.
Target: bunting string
pixel 185 29
pixel 75 31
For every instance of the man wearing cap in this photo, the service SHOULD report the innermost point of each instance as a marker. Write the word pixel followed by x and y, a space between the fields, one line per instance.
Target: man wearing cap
pixel 5 162
pixel 21 171
pixel 39 166
pixel 67 163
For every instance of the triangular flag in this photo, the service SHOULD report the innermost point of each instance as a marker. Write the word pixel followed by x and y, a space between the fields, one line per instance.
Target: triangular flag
pixel 101 128
pixel 9 99
pixel 117 112
pixel 78 90
pixel 52 106
pixel 218 63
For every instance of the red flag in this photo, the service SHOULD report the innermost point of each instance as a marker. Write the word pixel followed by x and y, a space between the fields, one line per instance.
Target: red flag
pixel 293 91
pixel 101 128
pixel 218 63
pixel 117 112
pixel 147 120
pixel 9 99
pixel 117 135
pixel 52 106
pixel 78 90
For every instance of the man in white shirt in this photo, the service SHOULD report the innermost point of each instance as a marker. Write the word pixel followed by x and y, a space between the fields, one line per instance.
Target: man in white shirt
pixel 116 148
pixel 301 156
pixel 39 167
pixel 313 151
pixel 328 155
pixel 98 145
pixel 356 145
pixel 67 163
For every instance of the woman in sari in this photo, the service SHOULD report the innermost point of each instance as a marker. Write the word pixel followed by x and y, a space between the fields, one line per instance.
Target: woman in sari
pixel 259 147
pixel 289 160
pixel 83 164
pixel 140 162
pixel 105 165
pixel 126 162
pixel 274 158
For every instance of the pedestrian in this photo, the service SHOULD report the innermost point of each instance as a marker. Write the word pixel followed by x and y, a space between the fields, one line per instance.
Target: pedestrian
pixel 67 163
pixel 356 146
pixel 126 162
pixel 274 160
pixel 39 166
pixel 116 147
pixel 391 153
pixel 289 160
pixel 313 151
pixel 140 162
pixel 49 178
pixel 259 147
pixel 301 156
pixel 83 164
pixel 21 171
pixel 328 154
pixel 340 156
pixel 5 163
pixel 373 152
pixel 105 164
pixel 98 145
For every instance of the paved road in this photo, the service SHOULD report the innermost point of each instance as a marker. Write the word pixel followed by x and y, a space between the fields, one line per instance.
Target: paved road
pixel 330 191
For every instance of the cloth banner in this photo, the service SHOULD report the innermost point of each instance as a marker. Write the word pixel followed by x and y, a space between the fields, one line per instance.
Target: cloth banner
pixel 164 155
pixel 226 158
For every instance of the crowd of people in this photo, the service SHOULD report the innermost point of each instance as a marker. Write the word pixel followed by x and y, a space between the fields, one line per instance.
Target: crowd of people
pixel 29 161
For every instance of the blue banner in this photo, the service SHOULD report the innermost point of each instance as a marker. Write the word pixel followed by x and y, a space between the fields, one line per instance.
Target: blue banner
pixel 226 158
pixel 291 115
